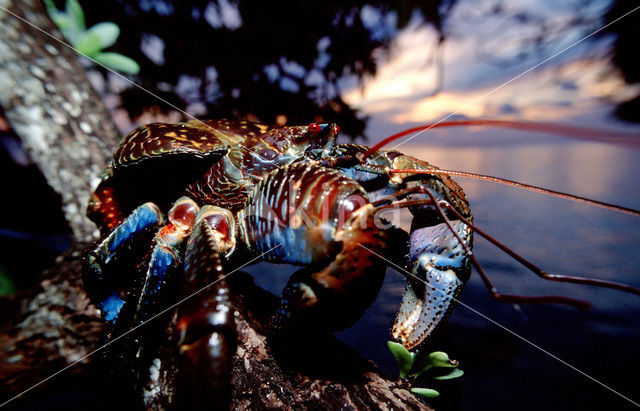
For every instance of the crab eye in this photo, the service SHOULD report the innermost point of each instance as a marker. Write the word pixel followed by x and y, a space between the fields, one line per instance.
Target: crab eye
pixel 336 129
pixel 314 128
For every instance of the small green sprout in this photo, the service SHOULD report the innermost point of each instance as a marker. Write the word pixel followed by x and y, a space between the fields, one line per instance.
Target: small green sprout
pixel 425 392
pixel 92 41
pixel 415 364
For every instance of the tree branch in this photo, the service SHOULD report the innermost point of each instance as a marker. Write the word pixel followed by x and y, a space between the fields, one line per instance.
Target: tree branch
pixel 46 97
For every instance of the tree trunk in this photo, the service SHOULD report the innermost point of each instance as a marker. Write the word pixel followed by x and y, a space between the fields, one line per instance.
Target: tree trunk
pixel 46 97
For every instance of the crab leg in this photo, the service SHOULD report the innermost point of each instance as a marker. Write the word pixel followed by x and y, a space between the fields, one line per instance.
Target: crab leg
pixel 98 279
pixel 165 258
pixel 432 289
pixel 161 287
pixel 439 254
pixel 150 292
pixel 206 326
pixel 440 249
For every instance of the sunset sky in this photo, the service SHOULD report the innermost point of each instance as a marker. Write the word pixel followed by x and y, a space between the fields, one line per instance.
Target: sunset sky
pixel 480 54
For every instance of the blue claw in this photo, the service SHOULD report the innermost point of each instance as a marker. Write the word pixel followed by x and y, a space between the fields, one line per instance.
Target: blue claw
pixel 159 281
pixel 161 261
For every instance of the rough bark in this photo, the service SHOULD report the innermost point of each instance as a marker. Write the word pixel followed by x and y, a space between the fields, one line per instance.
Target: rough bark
pixel 48 328
pixel 46 97
pixel 44 329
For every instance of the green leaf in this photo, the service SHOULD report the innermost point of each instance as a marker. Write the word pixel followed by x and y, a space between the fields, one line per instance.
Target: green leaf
pixel 74 10
pixel 52 10
pixel 61 20
pixel 63 23
pixel 88 43
pixel 118 62
pixel 455 373
pixel 421 365
pixel 107 32
pixel 424 363
pixel 425 392
pixel 441 359
pixel 403 357
pixel 50 5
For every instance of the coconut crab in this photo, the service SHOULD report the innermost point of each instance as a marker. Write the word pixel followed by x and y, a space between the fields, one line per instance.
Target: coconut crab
pixel 179 201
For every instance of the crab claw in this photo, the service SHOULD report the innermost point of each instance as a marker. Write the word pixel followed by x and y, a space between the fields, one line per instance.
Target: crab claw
pixel 334 296
pixel 440 268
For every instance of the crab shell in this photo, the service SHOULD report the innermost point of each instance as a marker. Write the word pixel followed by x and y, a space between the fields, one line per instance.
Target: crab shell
pixel 214 162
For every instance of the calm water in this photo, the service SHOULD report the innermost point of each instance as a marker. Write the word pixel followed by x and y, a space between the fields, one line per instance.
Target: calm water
pixel 501 370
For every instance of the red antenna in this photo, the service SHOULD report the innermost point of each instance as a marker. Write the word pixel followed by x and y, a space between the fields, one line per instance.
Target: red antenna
pixel 529 187
pixel 602 135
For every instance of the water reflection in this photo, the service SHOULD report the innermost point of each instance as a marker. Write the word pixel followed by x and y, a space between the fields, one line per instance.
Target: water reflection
pixel 589 169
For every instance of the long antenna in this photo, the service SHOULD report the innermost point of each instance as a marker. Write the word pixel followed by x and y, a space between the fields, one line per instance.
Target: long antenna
pixel 517 184
pixel 602 135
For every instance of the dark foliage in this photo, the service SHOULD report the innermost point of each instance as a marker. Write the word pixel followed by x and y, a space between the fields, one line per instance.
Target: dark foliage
pixel 267 60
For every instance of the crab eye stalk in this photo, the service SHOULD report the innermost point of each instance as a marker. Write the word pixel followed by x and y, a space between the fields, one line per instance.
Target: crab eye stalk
pixel 314 128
